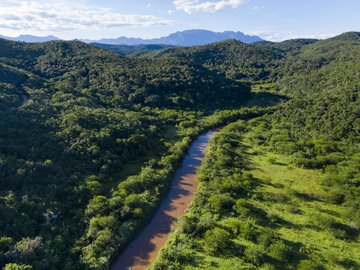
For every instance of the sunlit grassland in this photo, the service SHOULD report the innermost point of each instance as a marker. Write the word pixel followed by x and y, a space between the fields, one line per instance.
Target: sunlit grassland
pixel 287 205
pixel 294 197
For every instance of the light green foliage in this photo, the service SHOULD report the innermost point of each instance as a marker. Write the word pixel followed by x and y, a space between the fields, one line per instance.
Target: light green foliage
pixel 216 241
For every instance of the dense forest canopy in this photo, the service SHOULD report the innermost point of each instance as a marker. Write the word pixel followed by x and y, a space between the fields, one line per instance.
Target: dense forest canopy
pixel 89 138
pixel 132 50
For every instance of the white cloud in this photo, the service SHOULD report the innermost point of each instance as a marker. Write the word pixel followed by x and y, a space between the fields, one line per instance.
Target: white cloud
pixel 191 6
pixel 47 16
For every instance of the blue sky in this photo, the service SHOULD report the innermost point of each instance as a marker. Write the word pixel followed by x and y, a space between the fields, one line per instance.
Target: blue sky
pixel 271 19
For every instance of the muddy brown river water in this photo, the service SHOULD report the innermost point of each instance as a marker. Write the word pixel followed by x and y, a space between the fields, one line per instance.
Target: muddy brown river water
pixel 144 248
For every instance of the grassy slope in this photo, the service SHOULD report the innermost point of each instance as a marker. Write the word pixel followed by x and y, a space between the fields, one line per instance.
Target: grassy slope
pixel 294 196
pixel 288 201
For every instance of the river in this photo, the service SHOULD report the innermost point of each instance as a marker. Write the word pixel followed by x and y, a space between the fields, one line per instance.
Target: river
pixel 144 248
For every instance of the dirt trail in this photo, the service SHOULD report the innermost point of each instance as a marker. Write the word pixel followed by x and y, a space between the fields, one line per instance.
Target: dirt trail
pixel 144 248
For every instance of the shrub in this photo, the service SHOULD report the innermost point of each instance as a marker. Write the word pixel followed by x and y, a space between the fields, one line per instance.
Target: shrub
pixel 279 250
pixel 234 225
pixel 221 202
pixel 94 187
pixel 240 207
pixel 247 229
pixel 28 247
pixel 308 265
pixel 205 223
pixel 188 224
pixel 266 238
pixel 216 240
pixel 254 255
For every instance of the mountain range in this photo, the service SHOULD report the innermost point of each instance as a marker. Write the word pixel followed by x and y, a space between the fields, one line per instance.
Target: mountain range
pixel 30 38
pixel 183 38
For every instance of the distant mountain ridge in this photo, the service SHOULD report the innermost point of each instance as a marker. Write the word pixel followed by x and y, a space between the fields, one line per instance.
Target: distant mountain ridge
pixel 30 38
pixel 184 38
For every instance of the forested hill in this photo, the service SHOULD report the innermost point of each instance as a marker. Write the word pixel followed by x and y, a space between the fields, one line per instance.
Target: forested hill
pixel 132 50
pixel 251 63
pixel 76 121
pixel 111 78
pixel 89 138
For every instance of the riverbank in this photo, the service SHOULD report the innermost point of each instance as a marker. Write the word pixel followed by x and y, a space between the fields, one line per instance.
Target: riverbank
pixel 255 209
pixel 144 248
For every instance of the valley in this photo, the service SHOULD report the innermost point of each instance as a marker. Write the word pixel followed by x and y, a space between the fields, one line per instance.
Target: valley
pixel 90 155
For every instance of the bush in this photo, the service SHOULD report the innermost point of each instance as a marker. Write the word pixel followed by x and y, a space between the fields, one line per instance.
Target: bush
pixel 234 225
pixel 28 248
pixel 254 255
pixel 279 250
pixel 221 202
pixel 266 238
pixel 206 222
pixel 247 229
pixel 308 265
pixel 240 207
pixel 216 240
pixel 94 187
pixel 188 224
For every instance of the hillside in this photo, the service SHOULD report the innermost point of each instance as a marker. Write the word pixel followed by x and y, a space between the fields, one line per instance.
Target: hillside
pixel 132 50
pixel 257 209
pixel 282 191
pixel 251 63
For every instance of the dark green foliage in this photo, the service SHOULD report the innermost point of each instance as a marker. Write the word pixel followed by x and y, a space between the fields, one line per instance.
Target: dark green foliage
pixel 234 59
pixel 132 50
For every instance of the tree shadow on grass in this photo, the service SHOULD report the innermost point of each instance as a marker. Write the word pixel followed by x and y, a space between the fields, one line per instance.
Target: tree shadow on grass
pixel 349 264
pixel 307 197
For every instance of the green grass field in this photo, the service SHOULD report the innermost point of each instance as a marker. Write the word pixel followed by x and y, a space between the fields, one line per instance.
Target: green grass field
pixel 295 198
pixel 288 223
